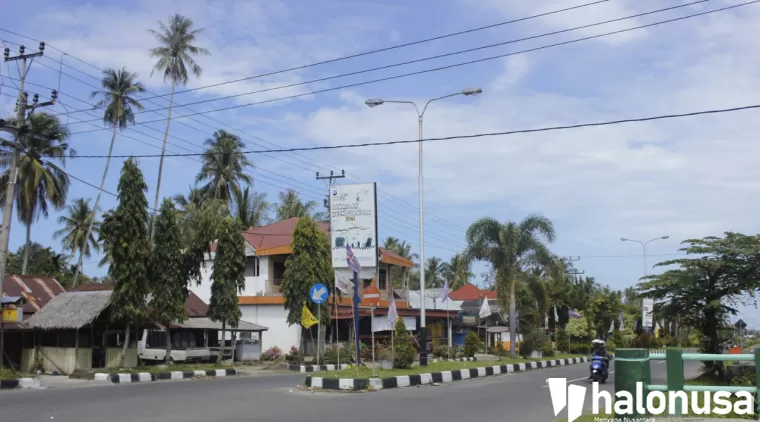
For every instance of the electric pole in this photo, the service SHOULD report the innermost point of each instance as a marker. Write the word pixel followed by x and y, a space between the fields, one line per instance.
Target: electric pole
pixel 18 131
pixel 330 182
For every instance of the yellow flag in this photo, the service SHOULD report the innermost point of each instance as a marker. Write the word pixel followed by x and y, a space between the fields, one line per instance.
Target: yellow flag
pixel 307 318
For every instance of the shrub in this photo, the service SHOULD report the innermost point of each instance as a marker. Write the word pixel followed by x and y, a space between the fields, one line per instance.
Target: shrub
pixel 643 341
pixel 458 351
pixel 563 341
pixel 547 350
pixel 471 345
pixel 273 353
pixel 656 343
pixel 405 352
pixel 350 351
pixel 500 350
pixel 611 346
pixel 580 348
pixel 443 352
pixel 293 355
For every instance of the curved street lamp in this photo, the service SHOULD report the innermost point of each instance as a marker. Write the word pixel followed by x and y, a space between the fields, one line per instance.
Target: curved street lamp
pixel 644 246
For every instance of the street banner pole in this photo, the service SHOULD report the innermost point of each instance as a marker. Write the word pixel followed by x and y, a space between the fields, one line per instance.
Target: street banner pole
pixel 372 328
pixel 319 332
pixel 357 299
pixel 337 339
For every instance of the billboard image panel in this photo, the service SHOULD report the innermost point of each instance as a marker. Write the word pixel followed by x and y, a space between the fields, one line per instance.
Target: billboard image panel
pixel 353 222
pixel 647 310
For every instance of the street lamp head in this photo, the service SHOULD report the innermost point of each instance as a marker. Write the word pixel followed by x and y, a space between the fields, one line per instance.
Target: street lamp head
pixel 622 239
pixel 374 102
pixel 665 237
pixel 471 91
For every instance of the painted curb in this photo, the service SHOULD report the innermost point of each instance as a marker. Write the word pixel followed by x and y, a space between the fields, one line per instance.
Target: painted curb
pixel 159 376
pixel 473 359
pixel 20 383
pixel 352 384
pixel 314 368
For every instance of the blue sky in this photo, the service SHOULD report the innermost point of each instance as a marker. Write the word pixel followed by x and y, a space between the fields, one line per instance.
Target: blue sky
pixel 683 178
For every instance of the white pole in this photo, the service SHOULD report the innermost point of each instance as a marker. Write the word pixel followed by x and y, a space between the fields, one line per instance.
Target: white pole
pixel 319 331
pixel 372 328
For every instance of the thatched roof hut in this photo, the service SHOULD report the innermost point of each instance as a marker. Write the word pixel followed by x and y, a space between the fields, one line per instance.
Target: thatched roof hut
pixel 70 311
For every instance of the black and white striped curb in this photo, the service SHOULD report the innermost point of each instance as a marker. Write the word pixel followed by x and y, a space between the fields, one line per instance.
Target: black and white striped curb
pixel 456 360
pixel 314 368
pixel 435 377
pixel 159 376
pixel 20 383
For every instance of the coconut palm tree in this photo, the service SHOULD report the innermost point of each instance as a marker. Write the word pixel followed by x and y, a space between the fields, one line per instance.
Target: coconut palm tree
pixel 433 272
pixel 458 271
pixel 190 210
pixel 117 95
pixel 291 206
pixel 79 231
pixel 174 55
pixel 40 181
pixel 510 248
pixel 224 167
pixel 252 209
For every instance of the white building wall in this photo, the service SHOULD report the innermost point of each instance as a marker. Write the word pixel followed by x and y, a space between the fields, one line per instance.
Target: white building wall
pixel 273 317
pixel 253 284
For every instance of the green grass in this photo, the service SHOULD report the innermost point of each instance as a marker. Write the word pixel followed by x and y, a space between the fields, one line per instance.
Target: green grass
pixel 7 374
pixel 365 372
pixel 172 368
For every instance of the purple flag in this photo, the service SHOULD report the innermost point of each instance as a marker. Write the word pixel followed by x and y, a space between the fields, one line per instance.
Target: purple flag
pixel 392 313
pixel 572 313
pixel 517 320
pixel 445 291
pixel 353 263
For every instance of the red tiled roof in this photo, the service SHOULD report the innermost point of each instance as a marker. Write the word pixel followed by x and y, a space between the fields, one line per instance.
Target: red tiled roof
pixel 37 290
pixel 471 292
pixel 280 234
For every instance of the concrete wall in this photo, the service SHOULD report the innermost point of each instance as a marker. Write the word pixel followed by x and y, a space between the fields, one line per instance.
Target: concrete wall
pixel 273 317
pixel 63 360
pixel 112 357
pixel 253 285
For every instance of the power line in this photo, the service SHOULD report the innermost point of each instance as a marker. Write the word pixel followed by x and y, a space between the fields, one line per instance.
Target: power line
pixel 446 67
pixel 476 135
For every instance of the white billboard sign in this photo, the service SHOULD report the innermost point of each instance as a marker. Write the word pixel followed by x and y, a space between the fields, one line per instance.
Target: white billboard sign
pixel 647 318
pixel 353 222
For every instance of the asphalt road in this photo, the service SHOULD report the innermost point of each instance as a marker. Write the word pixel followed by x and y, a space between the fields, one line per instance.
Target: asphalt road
pixel 515 397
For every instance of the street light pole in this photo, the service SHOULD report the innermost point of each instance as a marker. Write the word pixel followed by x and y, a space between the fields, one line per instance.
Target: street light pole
pixel 644 247
pixel 420 115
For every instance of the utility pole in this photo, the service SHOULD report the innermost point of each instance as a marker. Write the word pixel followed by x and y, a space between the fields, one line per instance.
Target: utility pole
pixel 10 194
pixel 330 182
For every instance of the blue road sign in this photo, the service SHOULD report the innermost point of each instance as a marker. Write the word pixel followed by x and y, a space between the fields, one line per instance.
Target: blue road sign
pixel 318 293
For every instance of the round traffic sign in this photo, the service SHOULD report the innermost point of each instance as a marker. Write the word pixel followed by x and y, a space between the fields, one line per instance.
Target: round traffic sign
pixel 318 293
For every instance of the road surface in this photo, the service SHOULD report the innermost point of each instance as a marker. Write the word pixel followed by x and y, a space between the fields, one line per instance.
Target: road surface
pixel 521 397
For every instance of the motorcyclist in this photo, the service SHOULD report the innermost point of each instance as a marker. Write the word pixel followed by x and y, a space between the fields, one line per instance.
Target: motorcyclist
pixel 598 349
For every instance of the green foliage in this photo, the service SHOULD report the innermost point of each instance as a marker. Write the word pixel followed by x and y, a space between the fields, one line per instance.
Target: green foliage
pixel 291 205
pixel 717 275
pixel 44 261
pixel 168 275
pixel 331 355
pixel 643 341
pixel 307 265
pixel 472 344
pixel 227 277
pixel 443 352
pixel 531 341
pixel 124 232
pixel 348 353
pixel 547 350
pixel 563 341
pixel 500 350
pixel 224 167
pixel 403 250
pixel 618 339
pixel 76 228
pixel 404 349
pixel 611 346
pixel 580 348
pixel 252 209
pixel 578 327
pixel 603 309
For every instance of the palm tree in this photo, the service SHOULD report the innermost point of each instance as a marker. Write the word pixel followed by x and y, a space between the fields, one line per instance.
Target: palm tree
pixel 291 206
pixel 509 248
pixel 252 209
pixel 224 166
pixel 458 271
pixel 79 231
pixel 39 179
pixel 433 271
pixel 117 95
pixel 401 248
pixel 190 210
pixel 174 58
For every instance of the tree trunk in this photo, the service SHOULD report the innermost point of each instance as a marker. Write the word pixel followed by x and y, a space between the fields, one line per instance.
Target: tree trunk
pixel 94 209
pixel 161 167
pixel 224 336
pixel 27 247
pixel 512 320
pixel 124 347
pixel 168 358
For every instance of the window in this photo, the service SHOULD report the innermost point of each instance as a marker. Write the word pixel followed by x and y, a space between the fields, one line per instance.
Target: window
pixel 383 282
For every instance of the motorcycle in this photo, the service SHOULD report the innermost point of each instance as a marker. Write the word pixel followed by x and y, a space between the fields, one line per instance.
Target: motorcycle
pixel 598 372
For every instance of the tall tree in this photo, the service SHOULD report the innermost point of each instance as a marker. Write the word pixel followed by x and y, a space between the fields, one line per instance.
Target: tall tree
pixel 40 181
pixel 43 262
pixel 224 167
pixel 404 250
pixel 78 231
pixel 433 272
pixel 508 248
pixel 227 277
pixel 192 209
pixel 458 271
pixel 717 276
pixel 175 55
pixel 307 265
pixel 124 232
pixel 117 95
pixel 168 275
pixel 291 205
pixel 251 209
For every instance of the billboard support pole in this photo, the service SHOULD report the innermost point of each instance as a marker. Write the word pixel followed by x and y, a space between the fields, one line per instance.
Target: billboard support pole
pixel 357 299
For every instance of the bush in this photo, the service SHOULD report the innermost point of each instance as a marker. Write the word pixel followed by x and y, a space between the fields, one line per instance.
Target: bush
pixel 547 350
pixel 580 348
pixel 293 355
pixel 405 352
pixel 471 345
pixel 458 351
pixel 673 341
pixel 611 346
pixel 443 352
pixel 656 343
pixel 273 353
pixel 563 340
pixel 350 351
pixel 499 349
pixel 643 341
